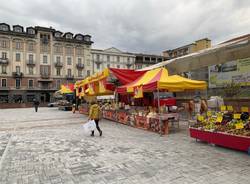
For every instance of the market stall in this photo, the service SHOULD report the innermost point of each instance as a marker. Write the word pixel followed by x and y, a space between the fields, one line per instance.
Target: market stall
pixel 137 97
pixel 67 93
pixel 227 127
pixel 155 81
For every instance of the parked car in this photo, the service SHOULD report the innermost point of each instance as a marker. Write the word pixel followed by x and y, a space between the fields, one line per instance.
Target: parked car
pixel 53 104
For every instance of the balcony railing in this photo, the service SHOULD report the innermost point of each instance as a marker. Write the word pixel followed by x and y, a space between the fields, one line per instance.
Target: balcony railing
pixel 98 62
pixel 58 64
pixel 4 61
pixel 69 77
pixel 80 65
pixel 17 74
pixel 31 63
pixel 45 75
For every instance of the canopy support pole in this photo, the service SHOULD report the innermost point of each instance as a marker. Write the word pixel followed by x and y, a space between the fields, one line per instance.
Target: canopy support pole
pixel 160 121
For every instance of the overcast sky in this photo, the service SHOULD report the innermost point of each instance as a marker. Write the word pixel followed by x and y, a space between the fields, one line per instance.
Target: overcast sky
pixel 148 26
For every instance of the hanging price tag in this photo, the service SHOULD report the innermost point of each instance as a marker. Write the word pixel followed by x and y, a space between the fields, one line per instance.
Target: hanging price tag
pixel 237 116
pixel 223 108
pixel 230 108
pixel 200 118
pixel 239 125
pixel 219 119
pixel 209 113
pixel 244 109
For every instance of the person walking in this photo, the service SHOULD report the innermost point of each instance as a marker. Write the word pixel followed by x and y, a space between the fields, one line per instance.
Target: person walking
pixel 36 104
pixel 95 114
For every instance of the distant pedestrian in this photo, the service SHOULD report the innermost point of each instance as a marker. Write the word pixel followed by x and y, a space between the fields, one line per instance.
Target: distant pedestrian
pixel 36 104
pixel 95 114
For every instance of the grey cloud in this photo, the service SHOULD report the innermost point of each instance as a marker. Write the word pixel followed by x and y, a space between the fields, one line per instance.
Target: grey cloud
pixel 135 25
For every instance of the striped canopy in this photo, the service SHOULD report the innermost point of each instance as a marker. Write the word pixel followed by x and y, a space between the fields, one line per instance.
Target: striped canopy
pixel 159 79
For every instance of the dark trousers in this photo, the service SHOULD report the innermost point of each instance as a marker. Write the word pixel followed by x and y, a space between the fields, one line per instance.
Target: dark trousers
pixel 97 127
pixel 36 108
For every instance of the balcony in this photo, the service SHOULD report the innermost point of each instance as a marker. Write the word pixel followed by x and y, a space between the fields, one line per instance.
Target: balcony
pixel 4 61
pixel 69 77
pixel 58 64
pixel 45 76
pixel 17 74
pixel 80 65
pixel 98 62
pixel 31 63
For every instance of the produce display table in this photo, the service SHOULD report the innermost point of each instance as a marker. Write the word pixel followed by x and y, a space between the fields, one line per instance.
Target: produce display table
pixel 122 117
pixel 236 142
pixel 109 114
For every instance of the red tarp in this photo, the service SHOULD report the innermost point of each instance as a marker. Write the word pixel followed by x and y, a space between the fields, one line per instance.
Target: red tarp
pixel 126 76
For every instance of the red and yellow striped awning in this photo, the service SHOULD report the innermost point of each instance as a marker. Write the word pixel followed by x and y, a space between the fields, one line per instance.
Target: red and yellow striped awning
pixel 159 79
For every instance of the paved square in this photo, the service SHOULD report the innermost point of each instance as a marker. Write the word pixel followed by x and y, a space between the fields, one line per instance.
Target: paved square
pixel 50 147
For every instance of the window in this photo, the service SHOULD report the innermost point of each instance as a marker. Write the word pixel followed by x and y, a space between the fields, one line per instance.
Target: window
pixel 88 62
pixel 57 34
pixel 58 49
pixel 58 59
pixel 4 44
pixel 69 36
pixel 118 58
pixel 31 46
pixel 18 45
pixel 58 71
pixel 69 60
pixel 18 56
pixel 79 37
pixel 18 69
pixel 97 57
pixel 69 72
pixel 98 66
pixel 31 71
pixel 88 72
pixel 58 84
pixel 79 60
pixel 108 65
pixel 18 83
pixel 108 58
pixel 118 66
pixel 44 70
pixel 31 57
pixel 4 28
pixel 4 69
pixel 4 55
pixel 45 59
pixel 4 82
pixel 31 83
pixel 31 31
pixel 18 29
pixel 69 50
pixel 79 73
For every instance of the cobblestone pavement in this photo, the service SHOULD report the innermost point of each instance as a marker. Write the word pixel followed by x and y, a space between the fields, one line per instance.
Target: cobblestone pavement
pixel 50 147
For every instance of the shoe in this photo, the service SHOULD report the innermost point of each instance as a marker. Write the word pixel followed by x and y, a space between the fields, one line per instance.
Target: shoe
pixel 101 133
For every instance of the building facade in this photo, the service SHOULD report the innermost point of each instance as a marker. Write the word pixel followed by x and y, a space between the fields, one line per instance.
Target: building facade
pixel 111 58
pixel 36 61
pixel 145 60
pixel 202 73
pixel 187 49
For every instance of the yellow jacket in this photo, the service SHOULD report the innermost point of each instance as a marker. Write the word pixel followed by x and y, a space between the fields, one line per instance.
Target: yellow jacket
pixel 94 112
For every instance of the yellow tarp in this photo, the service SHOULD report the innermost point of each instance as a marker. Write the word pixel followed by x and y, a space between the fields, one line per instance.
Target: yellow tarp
pixel 159 79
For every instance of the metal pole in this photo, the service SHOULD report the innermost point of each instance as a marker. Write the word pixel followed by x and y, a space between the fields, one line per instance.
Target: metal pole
pixel 160 121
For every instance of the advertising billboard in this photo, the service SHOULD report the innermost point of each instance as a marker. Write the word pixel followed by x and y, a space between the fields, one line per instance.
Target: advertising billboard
pixel 237 71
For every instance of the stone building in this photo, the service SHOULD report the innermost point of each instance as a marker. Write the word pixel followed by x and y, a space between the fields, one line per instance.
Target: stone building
pixel 202 73
pixel 145 60
pixel 111 58
pixel 36 61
